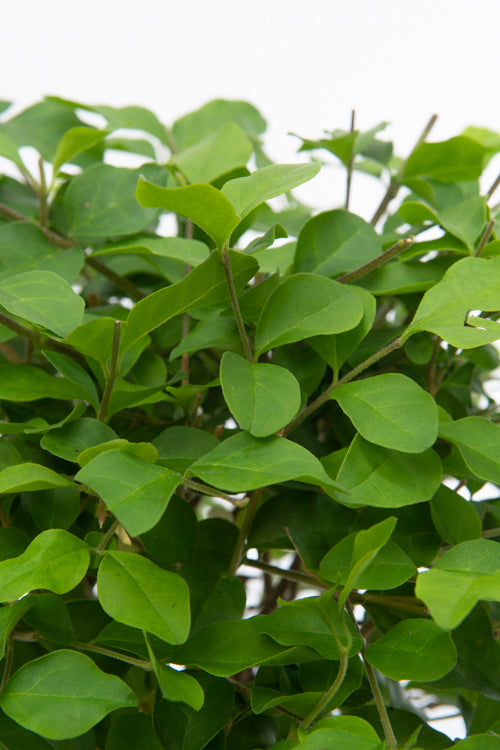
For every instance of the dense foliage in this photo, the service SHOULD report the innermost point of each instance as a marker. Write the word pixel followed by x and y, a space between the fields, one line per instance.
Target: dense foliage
pixel 244 439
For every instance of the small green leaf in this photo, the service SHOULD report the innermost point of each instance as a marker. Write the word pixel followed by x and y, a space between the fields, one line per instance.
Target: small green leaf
pixel 134 490
pixel 385 478
pixel 243 462
pixel 261 397
pixel 459 158
pixel 28 383
pixel 334 242
pixel 179 446
pixel 193 252
pixel 63 694
pixel 413 650
pixel 454 517
pixel 215 155
pixel 136 592
pixel 204 286
pixel 74 437
pixel 478 440
pixel 144 451
pixel 203 204
pixel 246 193
pixel 75 141
pixel 44 299
pixel 28 477
pixel 175 685
pixel 55 560
pixel 132 118
pixel 10 614
pixel 9 150
pixel 479 742
pixel 463 576
pixel 469 284
pixel 306 305
pixel 391 410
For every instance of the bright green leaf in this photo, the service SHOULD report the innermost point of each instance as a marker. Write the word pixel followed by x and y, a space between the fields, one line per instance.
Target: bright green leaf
pixel 459 158
pixel 74 437
pixel 29 477
pixel 454 517
pixel 176 685
pixel 144 451
pixel 193 252
pixel 215 155
pixel 75 141
pixel 478 440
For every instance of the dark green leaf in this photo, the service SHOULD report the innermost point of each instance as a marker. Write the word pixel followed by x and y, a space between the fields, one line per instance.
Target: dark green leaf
pixel 74 437
pixel 28 477
pixel 454 517
pixel 28 383
pixel 478 440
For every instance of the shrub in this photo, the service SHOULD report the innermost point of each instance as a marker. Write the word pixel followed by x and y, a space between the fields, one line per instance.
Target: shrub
pixel 247 446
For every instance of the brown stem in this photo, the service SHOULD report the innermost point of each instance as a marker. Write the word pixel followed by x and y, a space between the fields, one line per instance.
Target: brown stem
pixel 490 226
pixel 387 255
pixel 323 397
pixel 291 575
pixel 394 186
pixel 493 187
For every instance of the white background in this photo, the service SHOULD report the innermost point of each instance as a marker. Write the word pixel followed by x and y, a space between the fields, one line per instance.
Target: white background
pixel 304 63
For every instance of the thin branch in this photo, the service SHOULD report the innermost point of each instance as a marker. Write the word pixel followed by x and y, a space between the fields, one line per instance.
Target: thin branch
pixel 42 194
pixel 350 165
pixel 384 257
pixel 323 397
pixel 291 575
pixel 251 510
pixel 490 226
pixel 142 663
pixel 394 186
pixel 204 489
pixel 107 536
pixel 130 289
pixel 493 187
pixel 327 697
pixel 381 707
pixel 113 372
pixel 235 305
pixel 9 659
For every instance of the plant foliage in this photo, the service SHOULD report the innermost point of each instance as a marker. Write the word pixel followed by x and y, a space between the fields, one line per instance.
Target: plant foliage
pixel 240 460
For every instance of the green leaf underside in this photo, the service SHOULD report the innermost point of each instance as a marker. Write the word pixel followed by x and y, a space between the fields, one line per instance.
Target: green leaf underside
pixel 44 299
pixel 55 560
pixel 469 284
pixel 413 650
pixel 478 440
pixel 243 462
pixel 178 248
pixel 136 592
pixel 135 491
pixel 306 305
pixel 63 694
pixel 204 286
pixel 385 478
pixel 464 575
pixel 261 397
pixel 391 410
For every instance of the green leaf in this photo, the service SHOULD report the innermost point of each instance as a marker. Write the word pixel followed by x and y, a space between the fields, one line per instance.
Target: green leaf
pixel 246 193
pixel 464 575
pixel 201 123
pixel 145 451
pixel 175 685
pixel 94 339
pixel 391 410
pixel 28 383
pixel 211 332
pixel 347 735
pixel 413 650
pixel 56 508
pixel 42 126
pixel 10 614
pixel 478 441
pixel 134 118
pixel 479 742
pixel 469 284
pixel 243 462
pixel 385 478
pixel 261 397
pixel 74 437
pixel 459 158
pixel 386 566
pixel 44 299
pixel 464 220
pixel 62 695
pixel 204 286
pixel 75 141
pixel 306 305
pixel 179 446
pixel 74 372
pixel 203 204
pixel 367 543
pixel 193 252
pixel 133 729
pixel 334 242
pixel 215 155
pixel 454 517
pixel 29 477
pixel 100 202
pixel 35 252
pixel 135 491
pixel 136 592
pixel 55 560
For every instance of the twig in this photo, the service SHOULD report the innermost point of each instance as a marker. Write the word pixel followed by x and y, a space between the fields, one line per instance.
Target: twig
pixel 291 575
pixel 387 255
pixel 493 187
pixel 490 226
pixel 350 165
pixel 142 663
pixel 107 536
pixel 379 702
pixel 113 372
pixel 251 510
pixel 9 659
pixel 42 195
pixel 43 342
pixel 235 305
pixel 394 186
pixel 204 489
pixel 323 397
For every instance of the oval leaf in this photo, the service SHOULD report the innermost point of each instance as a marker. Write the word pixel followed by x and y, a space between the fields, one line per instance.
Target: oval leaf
pixel 44 299
pixel 261 397
pixel 63 694
pixel 391 410
pixel 55 560
pixel 136 592
pixel 478 440
pixel 306 305
pixel 413 650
